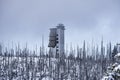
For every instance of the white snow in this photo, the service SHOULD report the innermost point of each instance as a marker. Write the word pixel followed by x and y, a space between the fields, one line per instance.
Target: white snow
pixel 117 55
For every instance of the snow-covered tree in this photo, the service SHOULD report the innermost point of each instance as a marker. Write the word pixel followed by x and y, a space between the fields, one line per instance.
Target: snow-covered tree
pixel 113 71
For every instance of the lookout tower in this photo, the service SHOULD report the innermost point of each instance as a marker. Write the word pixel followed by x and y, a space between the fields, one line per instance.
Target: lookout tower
pixel 56 40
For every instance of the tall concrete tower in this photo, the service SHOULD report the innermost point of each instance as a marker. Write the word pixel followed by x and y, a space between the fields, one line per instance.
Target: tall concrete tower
pixel 56 40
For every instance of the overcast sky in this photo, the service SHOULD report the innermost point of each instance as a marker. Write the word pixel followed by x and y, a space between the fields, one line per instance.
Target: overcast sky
pixel 27 20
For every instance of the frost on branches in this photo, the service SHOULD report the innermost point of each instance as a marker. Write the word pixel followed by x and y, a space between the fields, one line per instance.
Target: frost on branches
pixel 113 72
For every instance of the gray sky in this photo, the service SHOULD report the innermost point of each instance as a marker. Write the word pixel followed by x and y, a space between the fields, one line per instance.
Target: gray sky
pixel 27 20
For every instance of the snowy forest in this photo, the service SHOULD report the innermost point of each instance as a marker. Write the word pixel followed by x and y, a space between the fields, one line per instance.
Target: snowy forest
pixel 90 63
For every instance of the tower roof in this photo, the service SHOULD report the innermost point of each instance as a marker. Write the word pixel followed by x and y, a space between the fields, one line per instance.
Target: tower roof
pixel 61 26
